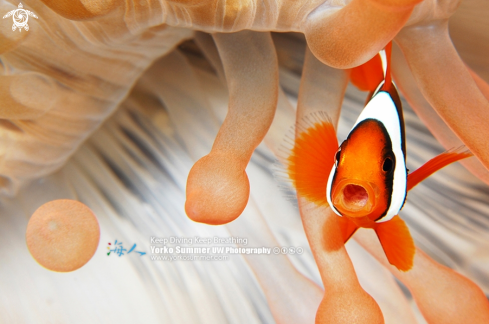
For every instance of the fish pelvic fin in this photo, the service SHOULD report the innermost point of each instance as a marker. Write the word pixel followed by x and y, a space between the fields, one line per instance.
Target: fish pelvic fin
pixel 397 243
pixel 312 157
pixel 435 164
pixel 347 228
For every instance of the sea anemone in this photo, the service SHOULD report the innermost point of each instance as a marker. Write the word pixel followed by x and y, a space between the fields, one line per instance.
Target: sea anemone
pixel 82 60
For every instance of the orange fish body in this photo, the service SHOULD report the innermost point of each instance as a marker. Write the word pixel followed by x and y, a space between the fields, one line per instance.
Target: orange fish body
pixel 365 180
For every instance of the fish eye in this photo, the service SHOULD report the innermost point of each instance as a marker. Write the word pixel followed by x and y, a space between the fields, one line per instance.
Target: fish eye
pixel 337 157
pixel 388 165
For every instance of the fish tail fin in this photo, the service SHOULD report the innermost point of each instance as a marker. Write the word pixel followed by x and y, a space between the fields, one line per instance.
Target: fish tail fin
pixel 397 243
pixel 435 164
pixel 312 157
pixel 347 228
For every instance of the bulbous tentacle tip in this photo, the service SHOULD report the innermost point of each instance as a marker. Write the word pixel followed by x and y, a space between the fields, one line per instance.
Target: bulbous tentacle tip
pixel 217 190
pixel 347 38
pixel 352 306
pixel 63 235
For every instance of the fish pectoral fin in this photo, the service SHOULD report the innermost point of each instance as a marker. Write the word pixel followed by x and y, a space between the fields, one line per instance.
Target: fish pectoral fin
pixel 312 157
pixel 397 243
pixel 347 227
pixel 435 164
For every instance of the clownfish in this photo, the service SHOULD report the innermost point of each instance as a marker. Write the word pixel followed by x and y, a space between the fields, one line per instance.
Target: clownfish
pixel 365 180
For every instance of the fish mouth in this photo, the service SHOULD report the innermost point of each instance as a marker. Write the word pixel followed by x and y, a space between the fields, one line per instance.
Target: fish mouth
pixel 354 198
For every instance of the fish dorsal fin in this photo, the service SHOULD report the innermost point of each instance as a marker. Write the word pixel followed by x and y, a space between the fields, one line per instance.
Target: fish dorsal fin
pixel 385 56
pixel 397 243
pixel 389 86
pixel 369 75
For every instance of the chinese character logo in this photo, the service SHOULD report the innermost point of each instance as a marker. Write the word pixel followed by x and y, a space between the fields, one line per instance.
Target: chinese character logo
pixel 119 249
pixel 20 17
